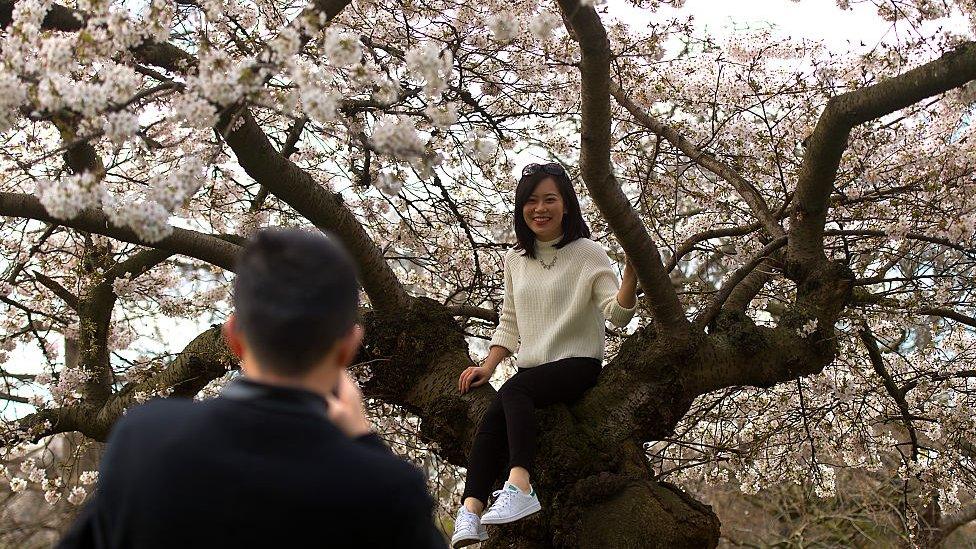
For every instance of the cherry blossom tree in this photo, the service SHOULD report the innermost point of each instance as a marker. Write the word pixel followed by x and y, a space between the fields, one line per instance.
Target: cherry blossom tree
pixel 802 224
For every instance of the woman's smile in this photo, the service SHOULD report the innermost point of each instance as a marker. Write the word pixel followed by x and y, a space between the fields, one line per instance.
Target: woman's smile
pixel 544 210
pixel 541 220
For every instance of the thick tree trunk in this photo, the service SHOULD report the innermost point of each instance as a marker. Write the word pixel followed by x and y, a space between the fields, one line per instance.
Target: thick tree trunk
pixel 602 499
pixel 590 471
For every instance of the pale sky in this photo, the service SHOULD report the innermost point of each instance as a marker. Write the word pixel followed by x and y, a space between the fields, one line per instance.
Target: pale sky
pixel 807 19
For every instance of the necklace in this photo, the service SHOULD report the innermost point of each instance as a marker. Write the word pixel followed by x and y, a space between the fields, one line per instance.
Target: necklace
pixel 550 264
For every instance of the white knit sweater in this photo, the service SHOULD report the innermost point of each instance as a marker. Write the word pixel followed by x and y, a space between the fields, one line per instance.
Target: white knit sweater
pixel 558 312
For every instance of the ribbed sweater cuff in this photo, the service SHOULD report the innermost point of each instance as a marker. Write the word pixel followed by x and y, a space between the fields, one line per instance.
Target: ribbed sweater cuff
pixel 503 339
pixel 619 315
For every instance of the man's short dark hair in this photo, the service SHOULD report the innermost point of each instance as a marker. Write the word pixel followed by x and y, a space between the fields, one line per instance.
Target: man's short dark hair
pixel 295 295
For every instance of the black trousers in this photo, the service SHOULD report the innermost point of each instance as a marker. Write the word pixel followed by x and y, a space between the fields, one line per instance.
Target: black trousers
pixel 508 428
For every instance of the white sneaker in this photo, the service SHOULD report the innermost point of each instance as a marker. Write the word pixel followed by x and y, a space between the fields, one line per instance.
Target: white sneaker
pixel 511 504
pixel 467 529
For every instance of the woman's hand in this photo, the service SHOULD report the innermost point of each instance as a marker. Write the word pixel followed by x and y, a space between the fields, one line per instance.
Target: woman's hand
pixel 630 274
pixel 474 376
pixel 627 294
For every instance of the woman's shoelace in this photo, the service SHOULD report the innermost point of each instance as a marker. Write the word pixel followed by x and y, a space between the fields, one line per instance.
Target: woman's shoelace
pixel 504 501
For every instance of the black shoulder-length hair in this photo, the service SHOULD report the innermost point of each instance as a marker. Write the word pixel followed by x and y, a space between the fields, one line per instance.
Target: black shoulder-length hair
pixel 574 226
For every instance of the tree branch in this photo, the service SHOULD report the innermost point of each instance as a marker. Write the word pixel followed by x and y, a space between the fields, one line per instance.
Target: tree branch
pixel 910 236
pixel 829 140
pixel 704 159
pixel 287 149
pixel 473 312
pixel 136 265
pixel 898 395
pixel 293 185
pixel 595 167
pixel 209 248
pixel 694 240
pixel 58 17
pixel 864 297
pixel 948 313
pixel 715 306
pixel 69 298
pixel 953 522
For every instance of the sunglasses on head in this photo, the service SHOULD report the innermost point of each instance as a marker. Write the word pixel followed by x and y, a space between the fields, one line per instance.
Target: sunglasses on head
pixel 552 168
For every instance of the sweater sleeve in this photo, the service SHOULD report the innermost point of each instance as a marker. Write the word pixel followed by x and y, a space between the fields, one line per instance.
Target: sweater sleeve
pixel 605 287
pixel 506 333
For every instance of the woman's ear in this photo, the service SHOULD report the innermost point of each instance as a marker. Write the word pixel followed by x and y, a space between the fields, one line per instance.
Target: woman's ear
pixel 232 337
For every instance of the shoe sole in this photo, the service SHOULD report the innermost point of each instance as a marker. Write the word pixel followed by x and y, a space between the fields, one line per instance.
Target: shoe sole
pixel 466 542
pixel 521 514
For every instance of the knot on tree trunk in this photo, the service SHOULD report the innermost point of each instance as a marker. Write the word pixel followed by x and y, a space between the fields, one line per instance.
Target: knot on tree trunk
pixel 446 422
pixel 413 357
pixel 399 346
pixel 825 289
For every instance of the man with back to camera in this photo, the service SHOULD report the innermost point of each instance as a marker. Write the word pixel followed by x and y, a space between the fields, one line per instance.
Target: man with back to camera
pixel 285 456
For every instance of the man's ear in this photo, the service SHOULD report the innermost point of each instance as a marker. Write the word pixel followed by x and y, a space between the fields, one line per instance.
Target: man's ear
pixel 232 337
pixel 348 346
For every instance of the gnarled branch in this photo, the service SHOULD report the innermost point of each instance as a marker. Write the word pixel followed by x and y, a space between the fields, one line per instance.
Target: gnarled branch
pixel 595 143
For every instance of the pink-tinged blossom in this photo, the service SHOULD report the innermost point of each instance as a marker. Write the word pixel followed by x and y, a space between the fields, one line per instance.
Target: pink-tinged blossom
pixel 68 387
pixel 808 328
pixel 480 147
pixel 28 465
pixel 286 44
pixel 52 497
pixel 12 97
pixel 544 24
pixel 17 484
pixel 320 104
pixel 77 495
pixel 88 477
pixel 224 79
pixel 120 126
pixel 388 183
pixel 123 287
pixel 504 28
pixel 342 48
pixel 177 185
pixel 28 15
pixel 66 198
pixel 37 476
pixel 159 17
pixel 57 52
pixel 398 137
pixel 148 218
pixel 194 110
pixel 442 116
pixel 432 65
pixel 386 91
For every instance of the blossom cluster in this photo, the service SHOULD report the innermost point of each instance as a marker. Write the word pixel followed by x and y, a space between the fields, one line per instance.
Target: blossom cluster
pixel 432 65
pixel 149 218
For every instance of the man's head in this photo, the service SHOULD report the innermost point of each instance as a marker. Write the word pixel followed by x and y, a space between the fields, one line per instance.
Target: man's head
pixel 295 300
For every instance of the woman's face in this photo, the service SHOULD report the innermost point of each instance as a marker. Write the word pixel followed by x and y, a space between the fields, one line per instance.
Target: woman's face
pixel 544 209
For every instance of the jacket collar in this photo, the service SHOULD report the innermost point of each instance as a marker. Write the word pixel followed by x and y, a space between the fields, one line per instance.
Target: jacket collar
pixel 276 397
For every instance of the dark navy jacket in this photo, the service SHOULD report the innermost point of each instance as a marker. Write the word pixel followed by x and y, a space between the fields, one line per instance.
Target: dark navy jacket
pixel 260 466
